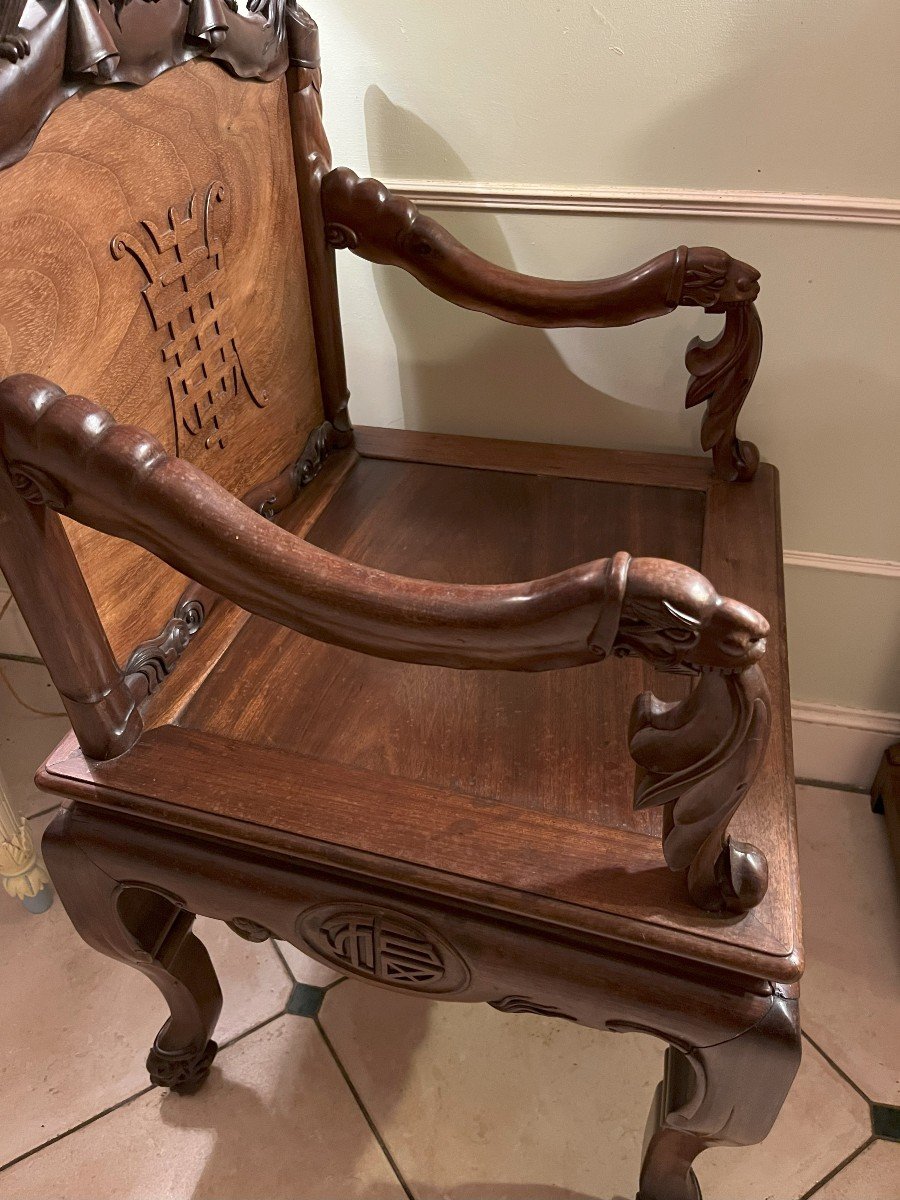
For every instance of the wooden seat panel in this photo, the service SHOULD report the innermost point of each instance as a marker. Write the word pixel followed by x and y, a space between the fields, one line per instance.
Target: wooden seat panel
pixel 520 784
pixel 552 741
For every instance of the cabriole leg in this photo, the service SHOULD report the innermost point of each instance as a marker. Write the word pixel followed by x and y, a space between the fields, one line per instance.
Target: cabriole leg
pixel 150 932
pixel 725 1095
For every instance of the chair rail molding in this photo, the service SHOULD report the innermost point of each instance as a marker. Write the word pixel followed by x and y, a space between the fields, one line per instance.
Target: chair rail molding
pixel 882 567
pixel 841 747
pixel 537 198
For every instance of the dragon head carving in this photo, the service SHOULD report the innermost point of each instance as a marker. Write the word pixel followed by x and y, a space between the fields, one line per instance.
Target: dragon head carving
pixel 714 280
pixel 673 617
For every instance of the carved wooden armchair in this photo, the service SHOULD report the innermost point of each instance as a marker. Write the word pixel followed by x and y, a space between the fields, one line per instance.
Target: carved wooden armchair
pixel 310 695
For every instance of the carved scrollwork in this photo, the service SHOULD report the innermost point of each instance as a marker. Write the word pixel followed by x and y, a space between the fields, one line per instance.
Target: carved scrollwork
pixel 182 1072
pixel 249 930
pixel 384 946
pixel 722 373
pixel 150 664
pixel 700 756
pixel 520 1004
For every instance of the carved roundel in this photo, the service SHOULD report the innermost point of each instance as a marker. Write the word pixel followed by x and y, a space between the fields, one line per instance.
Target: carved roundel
pixel 377 944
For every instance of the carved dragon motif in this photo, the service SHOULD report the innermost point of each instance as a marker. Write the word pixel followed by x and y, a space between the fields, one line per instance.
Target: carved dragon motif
pixel 364 216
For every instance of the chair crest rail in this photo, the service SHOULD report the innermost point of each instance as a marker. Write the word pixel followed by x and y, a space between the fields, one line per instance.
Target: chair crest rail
pixel 364 216
pixel 70 456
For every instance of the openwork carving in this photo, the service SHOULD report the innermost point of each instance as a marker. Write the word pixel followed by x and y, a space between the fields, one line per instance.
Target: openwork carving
pixel 384 946
pixel 182 1072
pixel 183 265
pixel 722 373
pixel 153 661
pixel 700 756
pixel 520 1004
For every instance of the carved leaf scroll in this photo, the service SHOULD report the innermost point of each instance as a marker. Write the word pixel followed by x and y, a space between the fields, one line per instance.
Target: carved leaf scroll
pixel 700 756
pixel 722 373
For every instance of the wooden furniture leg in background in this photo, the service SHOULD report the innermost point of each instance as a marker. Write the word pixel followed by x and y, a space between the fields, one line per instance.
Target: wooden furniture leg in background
pixel 152 932
pixel 886 798
pixel 21 870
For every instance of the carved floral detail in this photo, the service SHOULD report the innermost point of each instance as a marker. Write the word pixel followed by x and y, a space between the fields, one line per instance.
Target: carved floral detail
pixel 700 756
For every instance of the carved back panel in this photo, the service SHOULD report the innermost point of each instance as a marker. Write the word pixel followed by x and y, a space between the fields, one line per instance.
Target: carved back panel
pixel 152 259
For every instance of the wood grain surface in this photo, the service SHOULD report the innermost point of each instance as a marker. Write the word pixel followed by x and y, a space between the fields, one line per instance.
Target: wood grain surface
pixel 70 311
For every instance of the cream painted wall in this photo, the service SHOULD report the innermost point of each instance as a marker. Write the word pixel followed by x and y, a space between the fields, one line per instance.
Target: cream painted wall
pixel 772 95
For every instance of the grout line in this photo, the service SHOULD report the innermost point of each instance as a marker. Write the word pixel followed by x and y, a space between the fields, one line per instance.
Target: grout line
pixel 837 1170
pixel 128 1100
pixel 843 1074
pixel 290 974
pixel 22 658
pixel 853 788
pixel 76 1128
pixel 362 1108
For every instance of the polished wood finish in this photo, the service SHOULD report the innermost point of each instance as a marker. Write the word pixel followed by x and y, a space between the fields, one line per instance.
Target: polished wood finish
pixel 76 309
pixel 362 215
pixel 320 683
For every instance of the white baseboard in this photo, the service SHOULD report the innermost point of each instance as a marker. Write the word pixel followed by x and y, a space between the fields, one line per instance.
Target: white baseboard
pixel 841 746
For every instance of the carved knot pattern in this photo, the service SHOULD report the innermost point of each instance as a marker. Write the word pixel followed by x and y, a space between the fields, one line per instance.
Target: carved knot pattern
pixel 380 945
pixel 183 265
pixel 520 1004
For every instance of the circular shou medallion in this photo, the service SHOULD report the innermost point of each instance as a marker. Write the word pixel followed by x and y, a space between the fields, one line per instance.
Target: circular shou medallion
pixel 387 947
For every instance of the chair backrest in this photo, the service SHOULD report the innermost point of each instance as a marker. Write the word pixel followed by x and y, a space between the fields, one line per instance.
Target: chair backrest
pixel 152 250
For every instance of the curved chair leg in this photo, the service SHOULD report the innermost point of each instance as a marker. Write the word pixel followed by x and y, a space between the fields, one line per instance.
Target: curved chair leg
pixel 150 932
pixel 725 1095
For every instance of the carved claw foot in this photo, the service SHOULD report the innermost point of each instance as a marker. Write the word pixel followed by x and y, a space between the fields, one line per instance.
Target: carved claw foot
pixel 182 1072
pixel 14 46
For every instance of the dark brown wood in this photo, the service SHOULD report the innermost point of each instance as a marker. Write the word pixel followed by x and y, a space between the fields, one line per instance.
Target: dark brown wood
pixel 362 215
pixel 370 747
pixel 72 456
pixel 886 798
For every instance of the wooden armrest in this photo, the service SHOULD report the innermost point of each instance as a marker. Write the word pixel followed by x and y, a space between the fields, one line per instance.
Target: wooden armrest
pixel 698 756
pixel 364 216
pixel 70 455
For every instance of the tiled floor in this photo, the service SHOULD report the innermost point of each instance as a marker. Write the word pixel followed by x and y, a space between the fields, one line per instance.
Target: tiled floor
pixel 327 1089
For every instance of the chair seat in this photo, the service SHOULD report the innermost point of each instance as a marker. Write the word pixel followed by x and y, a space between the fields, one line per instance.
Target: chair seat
pixel 518 786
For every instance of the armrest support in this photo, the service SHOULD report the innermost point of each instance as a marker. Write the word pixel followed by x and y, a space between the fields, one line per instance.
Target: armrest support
pixel 66 454
pixel 70 455
pixel 364 216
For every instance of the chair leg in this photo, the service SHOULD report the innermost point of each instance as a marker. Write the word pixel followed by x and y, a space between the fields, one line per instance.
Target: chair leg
pixel 152 933
pixel 725 1095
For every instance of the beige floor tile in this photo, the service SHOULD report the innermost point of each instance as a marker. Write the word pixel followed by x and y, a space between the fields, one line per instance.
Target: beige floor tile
pixel 307 970
pixel 26 738
pixel 276 1121
pixel 875 1175
pixel 14 635
pixel 851 911
pixel 77 1026
pixel 823 1121
pixel 477 1105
